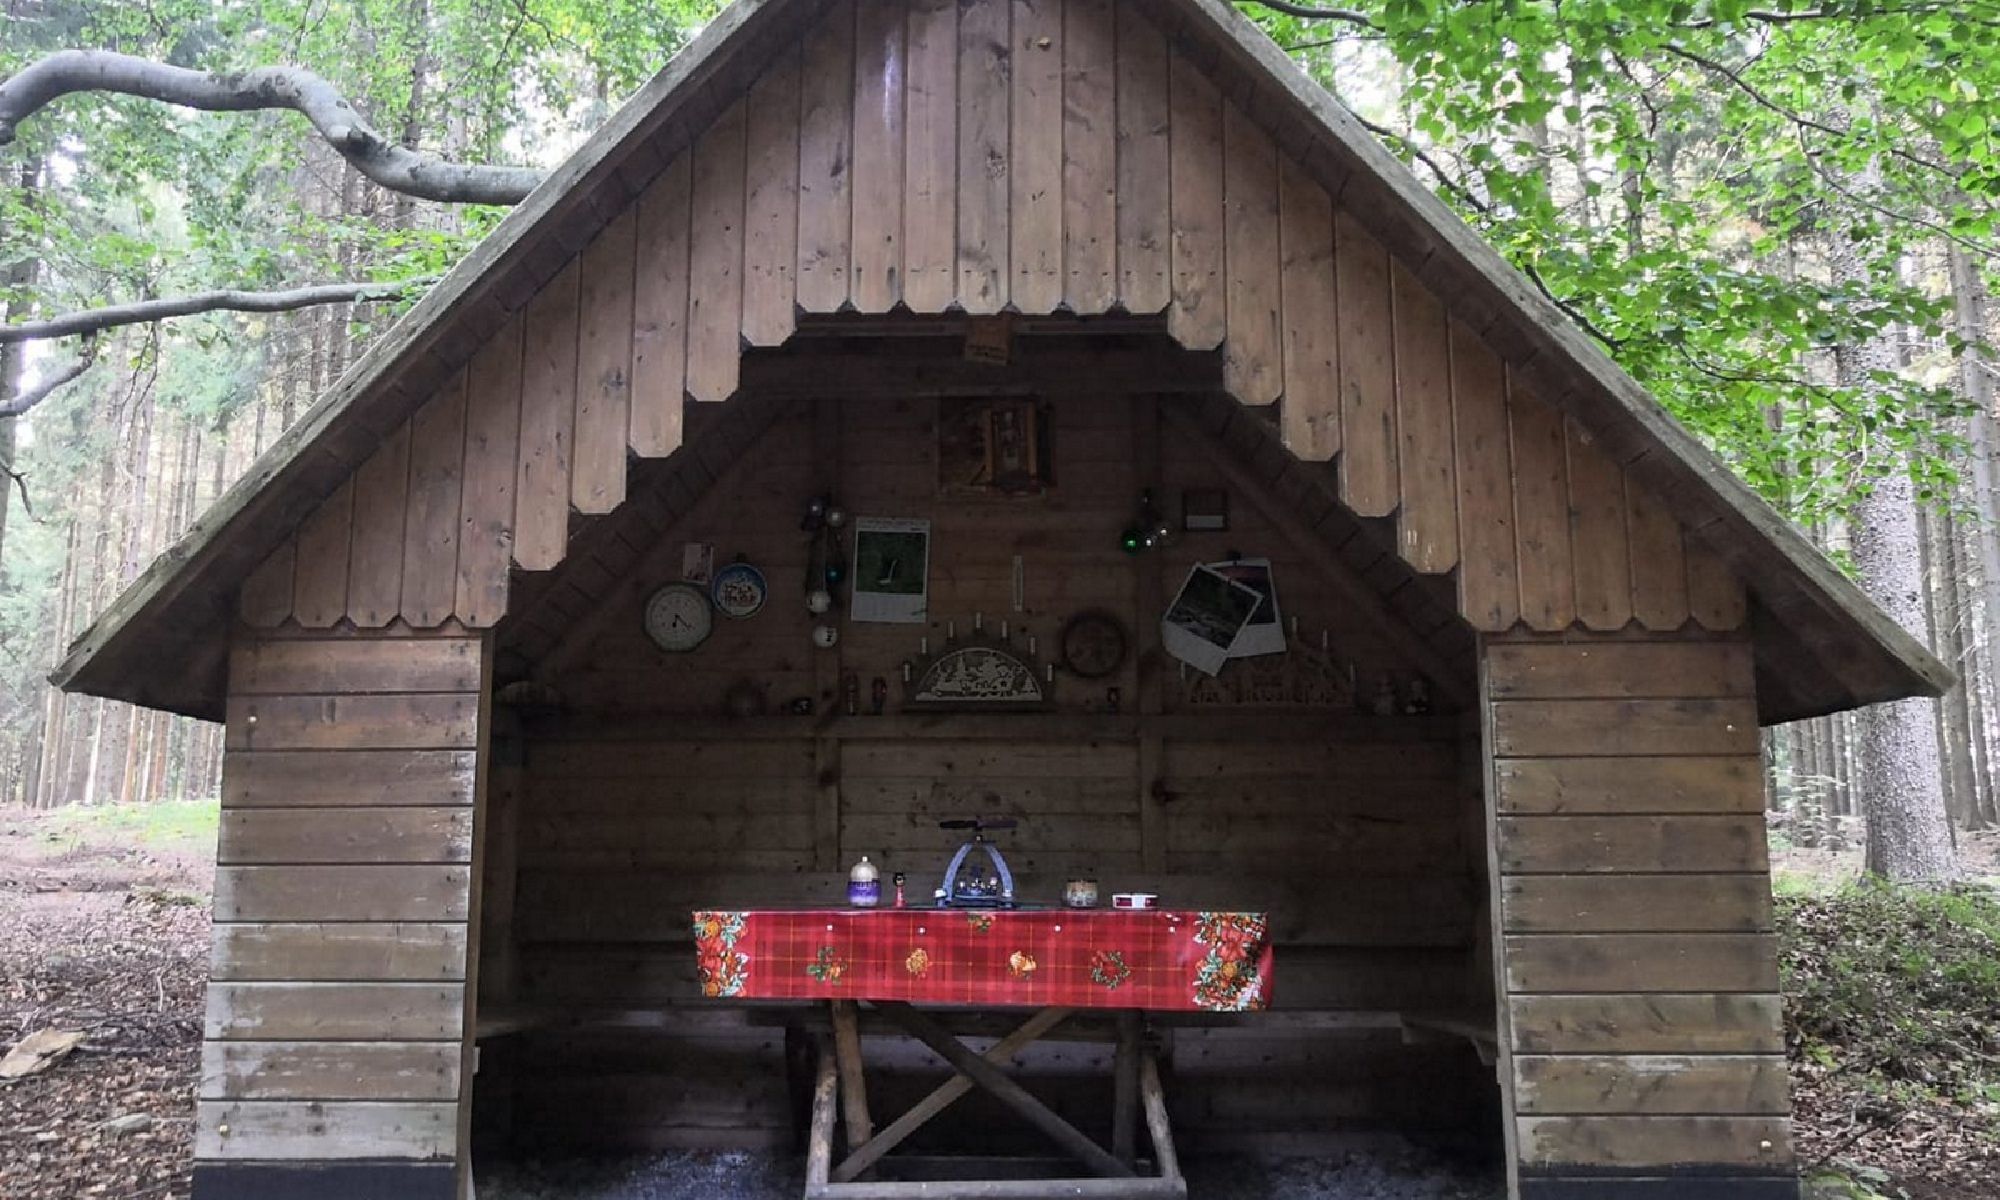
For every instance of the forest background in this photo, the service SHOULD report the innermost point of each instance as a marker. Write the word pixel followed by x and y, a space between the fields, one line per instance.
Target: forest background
pixel 1780 217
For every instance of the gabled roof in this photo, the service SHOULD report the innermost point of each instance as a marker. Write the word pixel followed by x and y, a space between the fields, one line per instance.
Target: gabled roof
pixel 1821 644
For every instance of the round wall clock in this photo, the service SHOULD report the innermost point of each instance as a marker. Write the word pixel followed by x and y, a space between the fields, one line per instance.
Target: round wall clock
pixel 1093 644
pixel 739 590
pixel 678 617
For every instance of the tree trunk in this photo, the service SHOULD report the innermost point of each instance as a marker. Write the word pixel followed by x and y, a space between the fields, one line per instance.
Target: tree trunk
pixel 1901 786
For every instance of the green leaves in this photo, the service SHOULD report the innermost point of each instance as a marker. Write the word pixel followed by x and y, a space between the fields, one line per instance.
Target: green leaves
pixel 1679 173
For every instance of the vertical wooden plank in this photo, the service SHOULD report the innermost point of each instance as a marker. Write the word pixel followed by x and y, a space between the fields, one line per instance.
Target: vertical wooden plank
pixel 1310 418
pixel 603 369
pixel 1541 511
pixel 1253 350
pixel 430 521
pixel 1427 518
pixel 319 587
pixel 486 510
pixel 771 205
pixel 1036 156
pixel 930 158
pixel 1195 318
pixel 1145 284
pixel 1367 371
pixel 879 67
pixel 1659 568
pixel 1601 564
pixel 548 404
pixel 826 138
pixel 1488 583
pixel 1090 156
pixel 985 83
pixel 715 258
pixel 265 599
pixel 659 311
pixel 375 566
pixel 1715 596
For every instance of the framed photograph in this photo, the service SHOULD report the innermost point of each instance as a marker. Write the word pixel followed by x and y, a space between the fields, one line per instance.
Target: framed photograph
pixel 1265 632
pixel 1206 617
pixel 993 446
pixel 891 577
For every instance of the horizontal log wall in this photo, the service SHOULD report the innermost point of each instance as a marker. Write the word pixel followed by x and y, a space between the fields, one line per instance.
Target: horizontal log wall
pixel 1028 156
pixel 1360 833
pixel 337 1007
pixel 1641 1024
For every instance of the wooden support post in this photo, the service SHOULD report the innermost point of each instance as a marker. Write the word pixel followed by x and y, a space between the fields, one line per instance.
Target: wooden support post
pixel 1125 1090
pixel 819 1143
pixel 942 1098
pixel 853 1084
pixel 1162 1133
pixel 1012 1094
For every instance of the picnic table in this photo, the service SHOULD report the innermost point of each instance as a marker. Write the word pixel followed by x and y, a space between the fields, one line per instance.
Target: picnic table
pixel 906 964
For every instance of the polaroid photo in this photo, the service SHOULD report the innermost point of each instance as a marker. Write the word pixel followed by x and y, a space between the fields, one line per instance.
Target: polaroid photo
pixel 1206 618
pixel 891 578
pixel 1265 634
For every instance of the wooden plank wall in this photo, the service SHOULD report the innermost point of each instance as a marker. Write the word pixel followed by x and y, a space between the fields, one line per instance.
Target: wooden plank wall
pixel 337 1003
pixel 644 801
pixel 1019 155
pixel 1641 1022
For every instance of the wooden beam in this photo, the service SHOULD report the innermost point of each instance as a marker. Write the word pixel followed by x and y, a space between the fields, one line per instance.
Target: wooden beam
pixel 1157 1126
pixel 944 1096
pixel 920 1026
pixel 853 1084
pixel 819 1142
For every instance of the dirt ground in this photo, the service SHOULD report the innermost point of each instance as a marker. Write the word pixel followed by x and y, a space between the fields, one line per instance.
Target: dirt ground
pixel 104 929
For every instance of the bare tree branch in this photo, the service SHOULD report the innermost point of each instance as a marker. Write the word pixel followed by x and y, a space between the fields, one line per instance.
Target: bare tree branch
pixel 397 168
pixel 147 311
pixel 15 405
pixel 1308 13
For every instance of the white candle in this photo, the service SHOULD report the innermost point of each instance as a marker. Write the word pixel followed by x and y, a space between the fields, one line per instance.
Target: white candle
pixel 978 620
pixel 924 644
pixel 906 672
pixel 1031 644
pixel 1003 631
pixel 1052 673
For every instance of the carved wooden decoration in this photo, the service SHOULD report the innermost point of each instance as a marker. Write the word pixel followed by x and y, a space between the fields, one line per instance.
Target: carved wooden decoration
pixel 979 675
pixel 1302 677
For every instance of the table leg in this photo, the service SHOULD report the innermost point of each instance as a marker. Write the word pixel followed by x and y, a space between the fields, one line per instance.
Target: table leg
pixel 950 1090
pixel 819 1143
pixel 1155 1101
pixel 1013 1095
pixel 853 1084
pixel 1125 1090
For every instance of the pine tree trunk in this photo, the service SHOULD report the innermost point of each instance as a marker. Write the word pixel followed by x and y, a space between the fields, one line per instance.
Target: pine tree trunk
pixel 1901 783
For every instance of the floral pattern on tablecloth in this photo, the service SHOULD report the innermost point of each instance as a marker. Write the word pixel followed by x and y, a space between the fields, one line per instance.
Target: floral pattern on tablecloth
pixel 721 967
pixel 1228 979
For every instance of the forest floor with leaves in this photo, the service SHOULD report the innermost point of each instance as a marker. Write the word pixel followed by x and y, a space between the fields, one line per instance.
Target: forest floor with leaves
pixel 104 931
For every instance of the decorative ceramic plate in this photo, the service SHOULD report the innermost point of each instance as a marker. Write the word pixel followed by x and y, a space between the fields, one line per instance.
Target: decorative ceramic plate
pixel 739 590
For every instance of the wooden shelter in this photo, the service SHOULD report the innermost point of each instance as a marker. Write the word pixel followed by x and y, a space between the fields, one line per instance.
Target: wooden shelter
pixel 1502 794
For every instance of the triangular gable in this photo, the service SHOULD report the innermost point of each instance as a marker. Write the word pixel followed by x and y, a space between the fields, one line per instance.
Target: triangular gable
pixel 852 157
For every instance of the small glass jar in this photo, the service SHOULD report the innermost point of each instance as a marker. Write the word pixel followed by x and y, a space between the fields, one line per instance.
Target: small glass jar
pixel 1080 893
pixel 864 885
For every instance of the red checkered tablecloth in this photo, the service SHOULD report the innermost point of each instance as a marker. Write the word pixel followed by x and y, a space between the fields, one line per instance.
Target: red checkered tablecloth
pixel 1080 958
